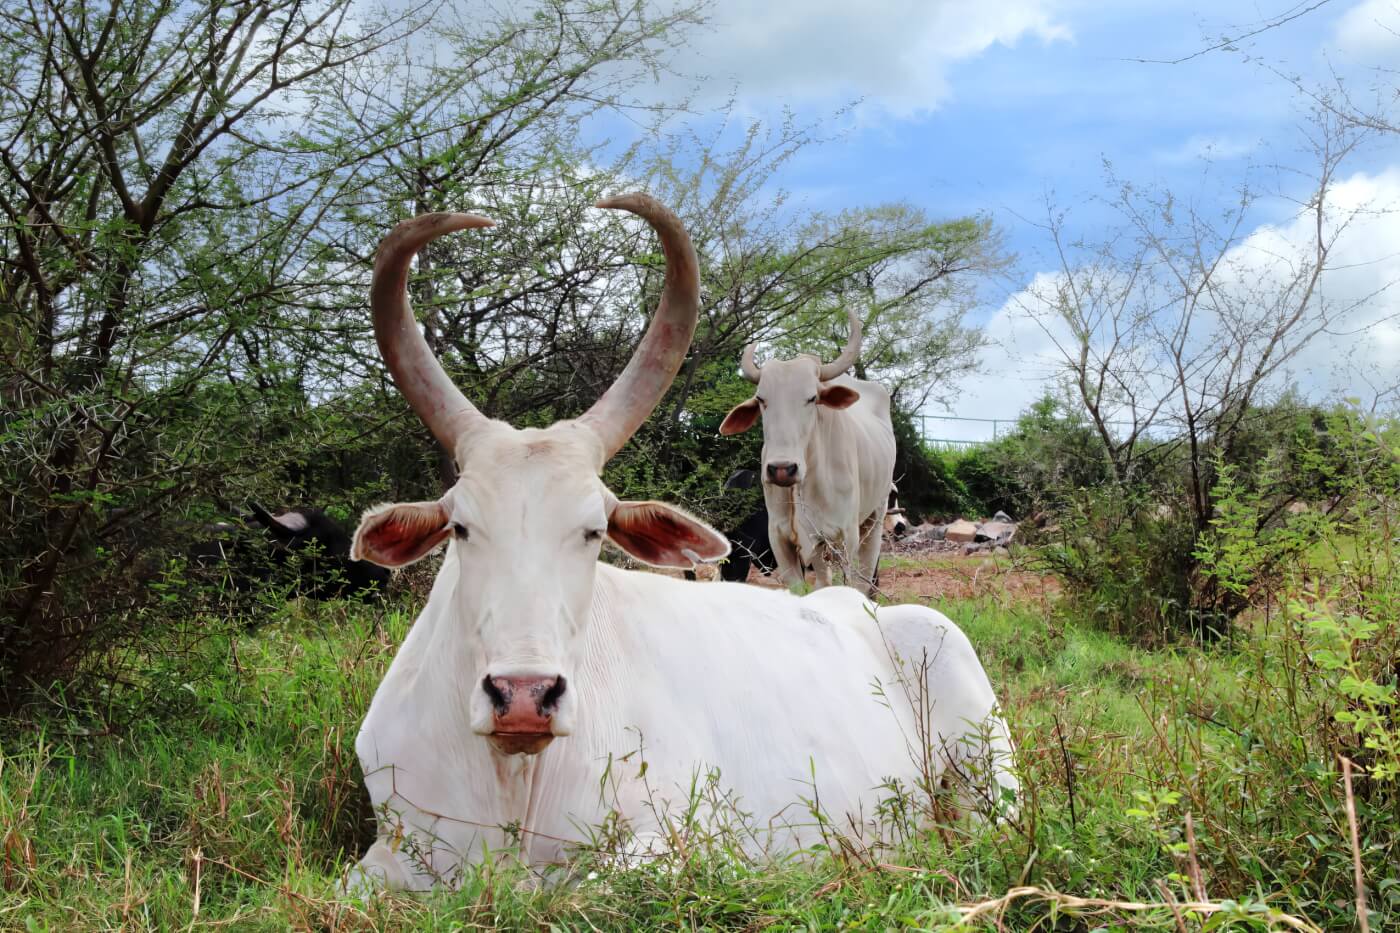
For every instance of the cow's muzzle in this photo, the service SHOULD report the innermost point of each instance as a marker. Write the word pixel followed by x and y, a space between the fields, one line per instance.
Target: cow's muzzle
pixel 523 710
pixel 781 472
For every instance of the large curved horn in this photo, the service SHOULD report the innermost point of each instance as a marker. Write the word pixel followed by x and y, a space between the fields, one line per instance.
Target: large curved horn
pixel 629 401
pixel 848 356
pixel 418 374
pixel 747 365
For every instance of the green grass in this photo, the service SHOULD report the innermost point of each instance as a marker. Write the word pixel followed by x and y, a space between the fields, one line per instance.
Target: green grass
pixel 242 805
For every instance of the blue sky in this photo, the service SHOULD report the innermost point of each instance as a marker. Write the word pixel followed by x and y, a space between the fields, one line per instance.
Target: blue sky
pixel 987 106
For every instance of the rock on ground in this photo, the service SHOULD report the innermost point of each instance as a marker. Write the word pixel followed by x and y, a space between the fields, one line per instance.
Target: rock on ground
pixel 962 531
pixel 1000 532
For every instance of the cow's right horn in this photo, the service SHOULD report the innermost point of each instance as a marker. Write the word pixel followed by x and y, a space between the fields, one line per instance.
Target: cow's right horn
pixel 848 356
pixel 747 365
pixel 418 374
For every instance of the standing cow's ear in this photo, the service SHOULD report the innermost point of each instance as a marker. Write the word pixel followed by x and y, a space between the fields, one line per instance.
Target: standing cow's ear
pixel 662 535
pixel 740 418
pixel 399 534
pixel 837 396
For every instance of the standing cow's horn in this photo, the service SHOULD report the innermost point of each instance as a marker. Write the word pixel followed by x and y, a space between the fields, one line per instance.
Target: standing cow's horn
pixel 418 374
pixel 848 356
pixel 629 401
pixel 747 365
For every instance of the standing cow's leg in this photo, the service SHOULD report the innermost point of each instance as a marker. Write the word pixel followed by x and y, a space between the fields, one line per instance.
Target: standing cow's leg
pixel 786 556
pixel 869 563
pixel 848 553
pixel 821 566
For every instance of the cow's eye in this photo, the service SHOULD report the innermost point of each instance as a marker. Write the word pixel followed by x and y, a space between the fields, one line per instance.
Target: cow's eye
pixel 812 400
pixel 759 400
pixel 459 531
pixel 593 534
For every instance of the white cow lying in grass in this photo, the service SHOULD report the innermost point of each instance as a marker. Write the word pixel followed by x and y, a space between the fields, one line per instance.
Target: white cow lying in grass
pixel 534 669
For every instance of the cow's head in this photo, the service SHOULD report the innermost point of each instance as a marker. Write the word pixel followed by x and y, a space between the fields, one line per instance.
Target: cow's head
pixel 528 514
pixel 788 395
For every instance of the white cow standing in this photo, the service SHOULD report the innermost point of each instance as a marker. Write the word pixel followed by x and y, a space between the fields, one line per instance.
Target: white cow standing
pixel 828 462
pixel 534 669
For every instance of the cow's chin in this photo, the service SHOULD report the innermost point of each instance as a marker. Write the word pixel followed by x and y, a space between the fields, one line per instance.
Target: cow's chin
pixel 520 743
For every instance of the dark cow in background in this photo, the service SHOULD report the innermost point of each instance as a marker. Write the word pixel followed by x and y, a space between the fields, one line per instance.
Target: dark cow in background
pixel 748 543
pixel 303 544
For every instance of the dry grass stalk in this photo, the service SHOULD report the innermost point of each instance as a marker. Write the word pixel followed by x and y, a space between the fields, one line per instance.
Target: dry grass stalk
pixel 1171 902
pixel 1198 883
pixel 1361 918
pixel 998 906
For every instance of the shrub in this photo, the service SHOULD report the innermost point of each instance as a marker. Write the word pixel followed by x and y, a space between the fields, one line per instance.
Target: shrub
pixel 1043 463
pixel 1147 559
pixel 927 483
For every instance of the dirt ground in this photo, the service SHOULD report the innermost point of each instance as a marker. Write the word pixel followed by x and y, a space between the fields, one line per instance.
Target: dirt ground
pixel 920 577
pixel 942 571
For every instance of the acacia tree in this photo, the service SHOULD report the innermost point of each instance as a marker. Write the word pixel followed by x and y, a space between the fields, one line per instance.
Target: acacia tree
pixel 138 141
pixel 536 316
pixel 181 193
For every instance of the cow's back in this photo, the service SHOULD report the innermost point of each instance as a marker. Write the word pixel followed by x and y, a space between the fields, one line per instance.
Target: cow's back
pixel 784 698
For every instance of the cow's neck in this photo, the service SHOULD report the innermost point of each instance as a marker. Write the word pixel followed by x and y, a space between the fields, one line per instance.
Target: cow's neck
pixel 502 786
pixel 822 444
pixel 521 789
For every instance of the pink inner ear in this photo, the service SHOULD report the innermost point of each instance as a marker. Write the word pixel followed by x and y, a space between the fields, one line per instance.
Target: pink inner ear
pixel 403 534
pixel 838 396
pixel 660 535
pixel 740 418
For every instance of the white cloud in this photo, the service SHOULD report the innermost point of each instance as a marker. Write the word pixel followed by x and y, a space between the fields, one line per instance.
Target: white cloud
pixel 1019 365
pixel 894 54
pixel 1369 28
pixel 1363 350
pixel 1209 149
pixel 1359 356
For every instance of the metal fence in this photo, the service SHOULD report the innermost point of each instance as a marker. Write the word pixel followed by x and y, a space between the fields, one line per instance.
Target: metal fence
pixel 998 425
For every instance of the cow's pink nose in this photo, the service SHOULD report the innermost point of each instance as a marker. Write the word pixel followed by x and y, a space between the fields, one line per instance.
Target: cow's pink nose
pixel 782 473
pixel 523 705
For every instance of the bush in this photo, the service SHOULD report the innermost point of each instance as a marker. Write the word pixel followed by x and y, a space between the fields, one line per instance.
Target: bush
pixel 927 483
pixel 1136 557
pixel 1047 459
pixel 1125 562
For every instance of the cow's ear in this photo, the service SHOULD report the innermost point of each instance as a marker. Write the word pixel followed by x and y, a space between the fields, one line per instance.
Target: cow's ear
pixel 740 418
pixel 285 526
pixel 837 396
pixel 399 534
pixel 662 535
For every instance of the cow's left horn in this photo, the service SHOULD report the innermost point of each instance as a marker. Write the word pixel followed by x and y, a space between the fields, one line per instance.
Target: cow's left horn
pixel 848 356
pixel 629 401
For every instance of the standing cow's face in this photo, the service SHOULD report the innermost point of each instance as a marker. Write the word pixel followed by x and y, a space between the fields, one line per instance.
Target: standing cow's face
pixel 787 397
pixel 525 523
